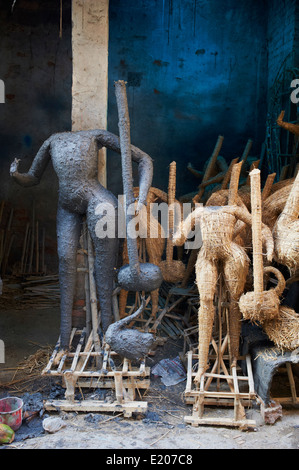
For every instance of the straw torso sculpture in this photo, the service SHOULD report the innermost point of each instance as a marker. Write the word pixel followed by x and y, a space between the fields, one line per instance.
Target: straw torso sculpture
pixel 217 226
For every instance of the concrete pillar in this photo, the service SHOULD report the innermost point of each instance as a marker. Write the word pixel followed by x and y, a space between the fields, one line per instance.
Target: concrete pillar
pixel 90 34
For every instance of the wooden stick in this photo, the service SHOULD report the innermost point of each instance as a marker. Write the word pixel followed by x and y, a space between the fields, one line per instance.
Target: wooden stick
pixel 252 167
pixel 36 248
pixel 1 210
pixel 32 237
pixel 24 247
pixel 210 167
pixel 268 186
pixel 284 173
pixel 27 250
pixel 7 254
pixel 234 184
pixel 247 150
pixel 43 250
pixel 93 296
pixel 228 173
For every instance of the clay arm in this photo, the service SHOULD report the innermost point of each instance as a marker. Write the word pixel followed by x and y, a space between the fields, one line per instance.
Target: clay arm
pixel 286 125
pixel 242 214
pixel 145 163
pixel 33 176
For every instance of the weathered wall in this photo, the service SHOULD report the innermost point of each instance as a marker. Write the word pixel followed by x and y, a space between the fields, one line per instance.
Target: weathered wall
pixel 195 69
pixel 281 36
pixel 36 67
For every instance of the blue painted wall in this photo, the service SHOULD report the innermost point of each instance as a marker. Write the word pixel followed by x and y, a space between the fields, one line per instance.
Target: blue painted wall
pixel 195 69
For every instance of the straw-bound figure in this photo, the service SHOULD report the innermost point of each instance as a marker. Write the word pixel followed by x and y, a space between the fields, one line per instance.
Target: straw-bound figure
pixel 219 251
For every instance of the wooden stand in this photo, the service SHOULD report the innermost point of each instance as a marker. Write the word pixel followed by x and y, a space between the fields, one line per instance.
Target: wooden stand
pixel 293 400
pixel 88 368
pixel 218 387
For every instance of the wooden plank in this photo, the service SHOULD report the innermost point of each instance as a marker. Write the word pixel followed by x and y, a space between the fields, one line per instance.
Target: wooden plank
pixel 250 374
pixel 219 422
pixel 78 350
pixel 189 372
pixel 95 406
pixel 51 360
pixel 142 384
pixel 221 394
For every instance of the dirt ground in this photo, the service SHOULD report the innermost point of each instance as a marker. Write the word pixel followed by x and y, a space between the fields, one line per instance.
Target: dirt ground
pixel 162 427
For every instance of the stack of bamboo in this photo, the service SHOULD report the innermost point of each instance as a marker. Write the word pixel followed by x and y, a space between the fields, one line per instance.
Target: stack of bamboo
pixel 32 260
pixel 41 292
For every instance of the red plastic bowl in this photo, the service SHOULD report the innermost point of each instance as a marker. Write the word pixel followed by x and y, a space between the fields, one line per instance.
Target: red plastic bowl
pixel 11 409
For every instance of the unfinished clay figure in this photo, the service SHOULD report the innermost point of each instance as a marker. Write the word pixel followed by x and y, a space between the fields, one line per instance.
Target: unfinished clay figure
pixel 74 157
pixel 218 250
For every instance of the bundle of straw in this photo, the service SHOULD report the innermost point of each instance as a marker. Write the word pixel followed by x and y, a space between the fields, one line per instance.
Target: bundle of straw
pixel 286 231
pixel 284 330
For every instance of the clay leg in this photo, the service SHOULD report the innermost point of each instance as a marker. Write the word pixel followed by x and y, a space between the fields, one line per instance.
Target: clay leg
pixel 206 279
pixel 106 250
pixel 68 233
pixel 235 273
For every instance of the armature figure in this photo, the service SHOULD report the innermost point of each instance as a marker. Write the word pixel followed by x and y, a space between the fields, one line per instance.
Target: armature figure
pixel 74 158
pixel 217 226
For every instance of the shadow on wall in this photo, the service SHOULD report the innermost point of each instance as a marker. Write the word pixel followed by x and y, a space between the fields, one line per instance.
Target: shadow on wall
pixel 36 69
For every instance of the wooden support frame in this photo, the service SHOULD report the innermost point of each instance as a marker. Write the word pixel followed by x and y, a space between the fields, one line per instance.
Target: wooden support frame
pixel 219 390
pixel 293 400
pixel 85 367
pixel 219 387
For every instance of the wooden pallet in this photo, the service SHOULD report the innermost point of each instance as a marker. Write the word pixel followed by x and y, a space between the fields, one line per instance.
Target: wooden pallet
pixel 86 367
pixel 219 388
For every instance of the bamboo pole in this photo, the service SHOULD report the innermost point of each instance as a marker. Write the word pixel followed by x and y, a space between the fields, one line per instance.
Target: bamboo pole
pixel 24 247
pixel 256 209
pixel 93 296
pixel 37 247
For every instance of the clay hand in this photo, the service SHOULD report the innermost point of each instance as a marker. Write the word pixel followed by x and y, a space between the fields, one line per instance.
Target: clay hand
pixel 14 166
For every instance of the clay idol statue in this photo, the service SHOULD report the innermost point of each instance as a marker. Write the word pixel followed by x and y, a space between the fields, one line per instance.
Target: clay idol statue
pixel 74 156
